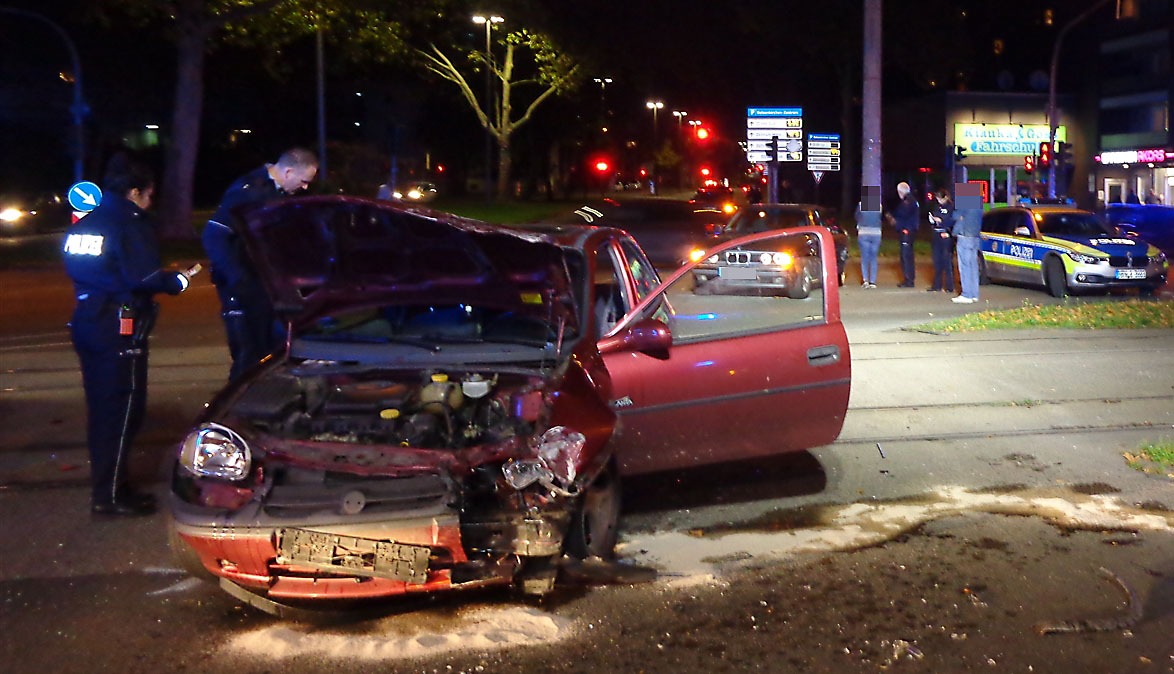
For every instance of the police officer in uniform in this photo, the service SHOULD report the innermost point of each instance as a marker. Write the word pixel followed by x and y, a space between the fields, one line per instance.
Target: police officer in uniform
pixel 245 307
pixel 112 256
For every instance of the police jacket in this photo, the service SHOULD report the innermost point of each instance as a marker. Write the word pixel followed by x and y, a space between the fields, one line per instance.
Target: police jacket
pixel 906 214
pixel 231 267
pixel 945 212
pixel 112 256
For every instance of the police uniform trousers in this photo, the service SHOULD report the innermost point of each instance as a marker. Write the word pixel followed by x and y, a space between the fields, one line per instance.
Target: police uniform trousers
pixel 114 375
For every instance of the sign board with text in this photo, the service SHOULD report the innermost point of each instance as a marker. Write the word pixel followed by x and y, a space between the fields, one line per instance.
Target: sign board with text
pixel 823 152
pixel 774 134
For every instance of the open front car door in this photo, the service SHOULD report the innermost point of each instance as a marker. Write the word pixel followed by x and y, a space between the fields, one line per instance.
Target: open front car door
pixel 739 355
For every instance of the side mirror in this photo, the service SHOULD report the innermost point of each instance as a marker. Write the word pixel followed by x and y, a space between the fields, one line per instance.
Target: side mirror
pixel 648 336
pixel 1022 231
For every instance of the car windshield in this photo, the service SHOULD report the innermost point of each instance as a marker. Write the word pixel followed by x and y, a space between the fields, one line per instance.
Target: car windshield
pixel 433 325
pixel 1074 224
pixel 750 220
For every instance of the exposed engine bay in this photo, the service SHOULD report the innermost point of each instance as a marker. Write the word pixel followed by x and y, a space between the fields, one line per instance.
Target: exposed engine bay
pixel 429 409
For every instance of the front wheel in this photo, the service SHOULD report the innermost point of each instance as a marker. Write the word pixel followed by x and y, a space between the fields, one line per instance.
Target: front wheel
pixel 802 288
pixel 595 523
pixel 1054 278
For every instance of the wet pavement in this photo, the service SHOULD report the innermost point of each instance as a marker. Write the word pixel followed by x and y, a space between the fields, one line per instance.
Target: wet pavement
pixel 973 498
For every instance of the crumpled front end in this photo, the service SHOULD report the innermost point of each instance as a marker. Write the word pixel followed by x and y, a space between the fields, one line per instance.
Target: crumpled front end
pixel 363 484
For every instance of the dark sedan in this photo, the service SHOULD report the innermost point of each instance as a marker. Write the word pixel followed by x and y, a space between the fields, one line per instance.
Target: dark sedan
pixel 667 229
pixel 767 217
pixel 457 402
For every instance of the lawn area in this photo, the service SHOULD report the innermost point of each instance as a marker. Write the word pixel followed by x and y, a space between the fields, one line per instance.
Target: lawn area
pixel 1132 313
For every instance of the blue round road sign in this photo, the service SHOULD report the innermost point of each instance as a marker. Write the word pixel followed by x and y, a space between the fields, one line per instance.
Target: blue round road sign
pixel 85 196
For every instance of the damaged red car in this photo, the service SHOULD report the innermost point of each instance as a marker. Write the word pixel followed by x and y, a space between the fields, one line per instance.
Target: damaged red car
pixel 457 402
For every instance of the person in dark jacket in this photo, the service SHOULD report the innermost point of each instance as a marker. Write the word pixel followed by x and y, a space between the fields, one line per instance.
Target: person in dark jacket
pixel 245 307
pixel 941 218
pixel 112 257
pixel 904 217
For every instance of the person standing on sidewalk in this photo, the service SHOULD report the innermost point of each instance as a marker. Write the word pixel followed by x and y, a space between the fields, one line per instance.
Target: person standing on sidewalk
pixel 967 227
pixel 904 217
pixel 941 218
pixel 868 233
pixel 245 307
pixel 112 257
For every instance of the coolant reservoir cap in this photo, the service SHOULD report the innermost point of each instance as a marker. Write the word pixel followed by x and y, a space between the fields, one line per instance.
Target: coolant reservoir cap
pixel 439 377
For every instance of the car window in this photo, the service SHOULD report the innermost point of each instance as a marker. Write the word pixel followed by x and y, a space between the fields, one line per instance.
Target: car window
pixel 707 310
pixel 750 220
pixel 1073 224
pixel 610 301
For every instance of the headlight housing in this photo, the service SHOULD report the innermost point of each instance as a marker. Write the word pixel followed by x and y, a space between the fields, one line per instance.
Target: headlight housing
pixel 11 214
pixel 217 451
pixel 1086 259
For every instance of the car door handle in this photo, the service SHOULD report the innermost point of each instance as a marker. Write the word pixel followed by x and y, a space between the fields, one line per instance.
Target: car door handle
pixel 823 355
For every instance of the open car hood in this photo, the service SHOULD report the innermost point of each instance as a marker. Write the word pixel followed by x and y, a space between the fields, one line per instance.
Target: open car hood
pixel 319 255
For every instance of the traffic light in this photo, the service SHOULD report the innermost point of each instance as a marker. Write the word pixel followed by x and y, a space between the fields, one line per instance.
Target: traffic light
pixel 1063 154
pixel 959 153
pixel 602 166
pixel 1029 163
pixel 1045 154
pixel 701 133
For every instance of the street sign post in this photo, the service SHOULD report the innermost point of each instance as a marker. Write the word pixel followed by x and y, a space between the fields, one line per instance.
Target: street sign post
pixel 84 196
pixel 774 135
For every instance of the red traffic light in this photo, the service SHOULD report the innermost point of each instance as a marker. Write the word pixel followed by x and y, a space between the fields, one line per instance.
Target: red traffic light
pixel 701 133
pixel 602 166
pixel 1029 164
pixel 1045 154
pixel 705 171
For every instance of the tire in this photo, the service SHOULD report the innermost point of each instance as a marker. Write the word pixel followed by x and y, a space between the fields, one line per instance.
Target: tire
pixel 595 522
pixel 1054 278
pixel 802 290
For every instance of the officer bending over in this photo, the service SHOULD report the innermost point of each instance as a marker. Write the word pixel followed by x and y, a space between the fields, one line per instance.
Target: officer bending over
pixel 245 307
pixel 112 256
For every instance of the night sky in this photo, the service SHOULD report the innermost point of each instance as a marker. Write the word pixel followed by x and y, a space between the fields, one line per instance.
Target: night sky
pixel 710 59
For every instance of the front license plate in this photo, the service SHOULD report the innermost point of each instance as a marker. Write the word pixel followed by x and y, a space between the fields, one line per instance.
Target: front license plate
pixel 737 273
pixel 1131 274
pixel 358 556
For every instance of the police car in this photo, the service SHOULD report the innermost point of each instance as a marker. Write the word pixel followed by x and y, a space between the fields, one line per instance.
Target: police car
pixel 1065 249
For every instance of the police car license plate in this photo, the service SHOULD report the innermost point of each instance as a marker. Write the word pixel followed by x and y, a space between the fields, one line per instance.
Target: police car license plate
pixel 737 273
pixel 1130 274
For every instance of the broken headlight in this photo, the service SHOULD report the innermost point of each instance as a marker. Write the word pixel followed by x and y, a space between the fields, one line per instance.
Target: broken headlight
pixel 213 450
pixel 558 451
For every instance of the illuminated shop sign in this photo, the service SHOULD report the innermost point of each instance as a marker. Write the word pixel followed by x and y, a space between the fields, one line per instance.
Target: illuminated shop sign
pixel 1151 155
pixel 1004 139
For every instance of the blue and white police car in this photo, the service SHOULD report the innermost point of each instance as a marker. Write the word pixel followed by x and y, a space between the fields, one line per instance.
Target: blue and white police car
pixel 1065 249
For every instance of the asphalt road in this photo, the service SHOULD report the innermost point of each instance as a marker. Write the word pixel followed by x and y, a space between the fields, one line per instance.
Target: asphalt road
pixel 976 489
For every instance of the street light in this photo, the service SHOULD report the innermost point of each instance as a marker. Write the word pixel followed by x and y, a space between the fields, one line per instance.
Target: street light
pixel 488 21
pixel 79 108
pixel 654 106
pixel 1052 89
pixel 603 82
pixel 680 115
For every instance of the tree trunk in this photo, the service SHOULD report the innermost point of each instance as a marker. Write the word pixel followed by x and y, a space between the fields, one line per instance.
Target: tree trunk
pixel 503 167
pixel 183 149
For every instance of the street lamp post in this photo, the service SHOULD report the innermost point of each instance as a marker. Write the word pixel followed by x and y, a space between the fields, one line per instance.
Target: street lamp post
pixel 655 107
pixel 488 21
pixel 603 82
pixel 78 108
pixel 1052 90
pixel 680 115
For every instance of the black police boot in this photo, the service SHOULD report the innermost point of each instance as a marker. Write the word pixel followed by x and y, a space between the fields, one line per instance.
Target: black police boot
pixel 131 504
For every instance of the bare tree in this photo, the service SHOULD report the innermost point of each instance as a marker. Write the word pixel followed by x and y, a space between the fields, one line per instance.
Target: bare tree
pixel 545 69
